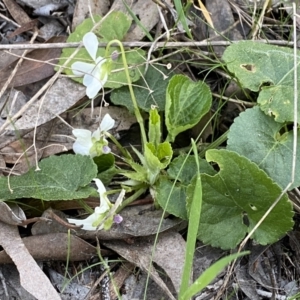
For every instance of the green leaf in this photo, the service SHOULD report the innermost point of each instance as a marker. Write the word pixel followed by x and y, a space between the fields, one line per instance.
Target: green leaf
pixel 107 175
pixel 162 153
pixel 64 177
pixel 266 69
pixel 137 176
pixel 157 159
pixel 186 103
pixel 188 168
pixel 104 162
pixel 150 90
pixel 182 20
pixel 236 198
pixel 106 31
pixel 258 137
pixel 106 167
pixel 171 199
pixel 154 127
pixel 209 275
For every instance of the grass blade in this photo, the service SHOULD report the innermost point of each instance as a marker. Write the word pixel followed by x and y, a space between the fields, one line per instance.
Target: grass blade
pixel 194 220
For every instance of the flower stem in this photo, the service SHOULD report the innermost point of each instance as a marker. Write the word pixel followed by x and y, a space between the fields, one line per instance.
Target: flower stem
pixel 123 151
pixel 135 106
pixel 130 199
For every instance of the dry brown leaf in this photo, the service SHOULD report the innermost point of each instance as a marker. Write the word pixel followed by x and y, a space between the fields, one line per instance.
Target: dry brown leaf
pixel 138 221
pixel 25 27
pixel 32 278
pixel 8 57
pixel 169 254
pixel 11 214
pixel 10 103
pixel 81 11
pixel 39 65
pixel 205 14
pixel 17 12
pixel 119 277
pixel 62 95
pixel 39 3
pixel 223 20
pixel 56 246
pixel 147 13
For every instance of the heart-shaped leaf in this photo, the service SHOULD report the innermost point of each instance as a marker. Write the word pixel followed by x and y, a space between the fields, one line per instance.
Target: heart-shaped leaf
pixel 186 103
pixel 258 137
pixel 64 177
pixel 236 198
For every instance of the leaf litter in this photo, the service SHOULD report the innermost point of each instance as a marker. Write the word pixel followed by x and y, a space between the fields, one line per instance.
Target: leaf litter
pixel 45 123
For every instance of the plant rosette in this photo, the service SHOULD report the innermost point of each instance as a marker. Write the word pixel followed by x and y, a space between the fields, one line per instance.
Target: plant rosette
pixel 93 144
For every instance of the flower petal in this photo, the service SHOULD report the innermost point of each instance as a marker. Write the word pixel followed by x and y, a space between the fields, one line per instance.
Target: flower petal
pixel 90 42
pixel 87 223
pixel 107 123
pixel 93 88
pixel 88 79
pixel 82 133
pixel 102 210
pixel 83 142
pixel 81 149
pixel 80 68
pixel 105 204
pixel 100 186
pixel 96 135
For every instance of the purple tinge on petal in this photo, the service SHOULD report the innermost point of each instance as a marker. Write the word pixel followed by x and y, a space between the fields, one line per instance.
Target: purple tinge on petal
pixel 106 149
pixel 118 219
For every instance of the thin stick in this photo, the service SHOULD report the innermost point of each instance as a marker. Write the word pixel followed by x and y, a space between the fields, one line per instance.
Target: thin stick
pixel 168 45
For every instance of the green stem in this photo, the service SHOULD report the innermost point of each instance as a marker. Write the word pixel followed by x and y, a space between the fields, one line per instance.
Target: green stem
pixel 135 106
pixel 133 197
pixel 215 144
pixel 123 151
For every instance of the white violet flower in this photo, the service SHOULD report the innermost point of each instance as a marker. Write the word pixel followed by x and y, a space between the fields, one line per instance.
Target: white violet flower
pixel 94 74
pixel 93 144
pixel 92 221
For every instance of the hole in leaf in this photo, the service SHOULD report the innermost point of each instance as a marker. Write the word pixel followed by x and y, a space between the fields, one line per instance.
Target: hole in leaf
pixel 282 134
pixel 253 207
pixel 265 85
pixel 245 219
pixel 249 67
